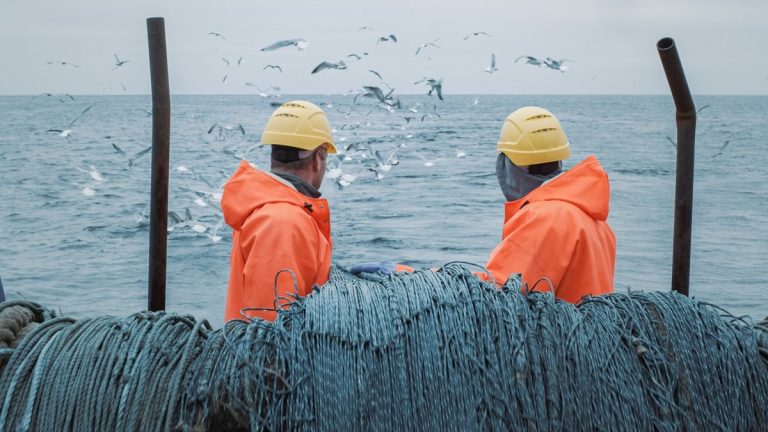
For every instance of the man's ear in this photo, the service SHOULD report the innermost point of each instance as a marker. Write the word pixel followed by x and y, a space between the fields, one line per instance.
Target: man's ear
pixel 317 159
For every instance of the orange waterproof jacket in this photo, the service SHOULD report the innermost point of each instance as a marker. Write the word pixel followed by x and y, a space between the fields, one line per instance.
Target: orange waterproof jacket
pixel 275 227
pixel 559 231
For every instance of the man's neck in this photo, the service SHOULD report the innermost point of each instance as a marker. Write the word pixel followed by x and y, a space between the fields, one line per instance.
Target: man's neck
pixel 299 183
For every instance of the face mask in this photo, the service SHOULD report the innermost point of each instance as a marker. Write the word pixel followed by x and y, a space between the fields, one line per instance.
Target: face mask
pixel 516 182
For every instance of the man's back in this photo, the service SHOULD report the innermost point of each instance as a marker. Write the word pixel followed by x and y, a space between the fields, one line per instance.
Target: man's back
pixel 559 231
pixel 275 228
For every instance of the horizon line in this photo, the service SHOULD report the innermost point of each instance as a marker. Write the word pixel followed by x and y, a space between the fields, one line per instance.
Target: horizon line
pixel 401 94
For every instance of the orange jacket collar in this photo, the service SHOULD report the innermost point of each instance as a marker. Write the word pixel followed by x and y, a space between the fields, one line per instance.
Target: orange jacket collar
pixel 585 186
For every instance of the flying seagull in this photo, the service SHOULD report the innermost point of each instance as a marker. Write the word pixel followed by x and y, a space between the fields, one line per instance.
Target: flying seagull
pixel 64 133
pixel 725 144
pixel 119 62
pixel 376 73
pixel 301 44
pixel 59 96
pixel 556 64
pixel 221 127
pixel 118 149
pixel 364 28
pixel 240 61
pixel 217 35
pixel 269 66
pixel 328 65
pixel 391 37
pixel 373 91
pixel 223 80
pixel 427 162
pixel 138 154
pixel 434 86
pixel 357 56
pixel 424 45
pixel 476 34
pixel 63 63
pixel 492 68
pixel 529 60
pixel 225 60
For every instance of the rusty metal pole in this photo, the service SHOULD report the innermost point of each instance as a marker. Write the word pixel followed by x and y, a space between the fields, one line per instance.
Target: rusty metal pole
pixel 161 141
pixel 686 138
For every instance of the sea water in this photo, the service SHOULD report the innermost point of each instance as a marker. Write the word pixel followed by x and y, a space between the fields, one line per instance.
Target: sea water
pixel 73 210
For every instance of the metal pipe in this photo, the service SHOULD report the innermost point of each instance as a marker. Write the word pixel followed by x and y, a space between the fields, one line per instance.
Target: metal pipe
pixel 686 137
pixel 161 140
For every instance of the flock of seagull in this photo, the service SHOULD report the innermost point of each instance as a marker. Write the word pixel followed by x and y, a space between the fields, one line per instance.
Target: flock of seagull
pixel 353 161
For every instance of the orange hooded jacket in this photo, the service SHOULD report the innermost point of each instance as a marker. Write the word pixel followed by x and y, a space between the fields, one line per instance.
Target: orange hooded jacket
pixel 559 231
pixel 275 227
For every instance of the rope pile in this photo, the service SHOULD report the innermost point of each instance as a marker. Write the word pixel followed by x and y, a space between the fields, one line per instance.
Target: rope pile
pixel 426 351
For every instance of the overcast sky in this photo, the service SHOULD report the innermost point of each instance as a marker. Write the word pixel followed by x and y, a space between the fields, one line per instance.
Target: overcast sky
pixel 612 44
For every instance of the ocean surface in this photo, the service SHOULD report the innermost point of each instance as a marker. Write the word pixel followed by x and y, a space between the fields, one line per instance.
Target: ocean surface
pixel 73 210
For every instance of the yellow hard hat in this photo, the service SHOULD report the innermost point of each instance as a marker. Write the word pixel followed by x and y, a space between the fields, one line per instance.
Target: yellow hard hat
pixel 533 135
pixel 299 124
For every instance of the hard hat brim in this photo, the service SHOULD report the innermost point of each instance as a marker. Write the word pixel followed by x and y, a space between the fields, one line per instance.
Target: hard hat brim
pixel 304 142
pixel 534 157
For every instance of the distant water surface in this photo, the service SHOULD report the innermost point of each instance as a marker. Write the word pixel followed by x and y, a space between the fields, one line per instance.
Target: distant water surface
pixel 87 255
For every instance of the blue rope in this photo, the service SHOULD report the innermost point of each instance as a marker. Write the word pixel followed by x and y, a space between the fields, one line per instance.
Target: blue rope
pixel 426 351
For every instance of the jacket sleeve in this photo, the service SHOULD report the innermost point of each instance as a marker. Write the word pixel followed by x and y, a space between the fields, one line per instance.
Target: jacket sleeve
pixel 278 237
pixel 538 243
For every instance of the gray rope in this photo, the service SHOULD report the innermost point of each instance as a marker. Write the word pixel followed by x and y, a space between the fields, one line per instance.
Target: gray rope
pixel 428 350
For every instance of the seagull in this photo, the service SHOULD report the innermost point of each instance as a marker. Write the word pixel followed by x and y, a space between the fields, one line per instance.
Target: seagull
pixel 556 64
pixel 328 65
pixel 424 45
pixel 119 62
pixel 223 80
pixel 183 169
pixel 376 92
pixel 59 96
pixel 187 220
pixel 492 68
pixel 529 60
pixel 434 86
pixel 87 190
pixel 93 172
pixel 64 133
pixel 213 236
pixel 138 154
pixel 225 127
pixel 702 108
pixel 301 44
pixel 357 56
pixel 391 37
pixel 63 63
pixel 118 149
pixel 476 34
pixel 386 164
pixel 265 93
pixel 240 61
pixel 269 66
pixel 719 152
pixel 364 28
pixel 225 61
pixel 428 163
pixel 217 35
pixel 376 73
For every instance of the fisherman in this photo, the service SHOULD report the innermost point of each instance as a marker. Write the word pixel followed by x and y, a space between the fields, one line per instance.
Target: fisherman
pixel 281 241
pixel 555 231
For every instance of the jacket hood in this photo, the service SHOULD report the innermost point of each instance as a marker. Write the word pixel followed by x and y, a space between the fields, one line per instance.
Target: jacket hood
pixel 584 186
pixel 249 189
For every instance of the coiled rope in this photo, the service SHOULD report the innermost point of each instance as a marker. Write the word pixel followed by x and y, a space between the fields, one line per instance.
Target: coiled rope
pixel 425 351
